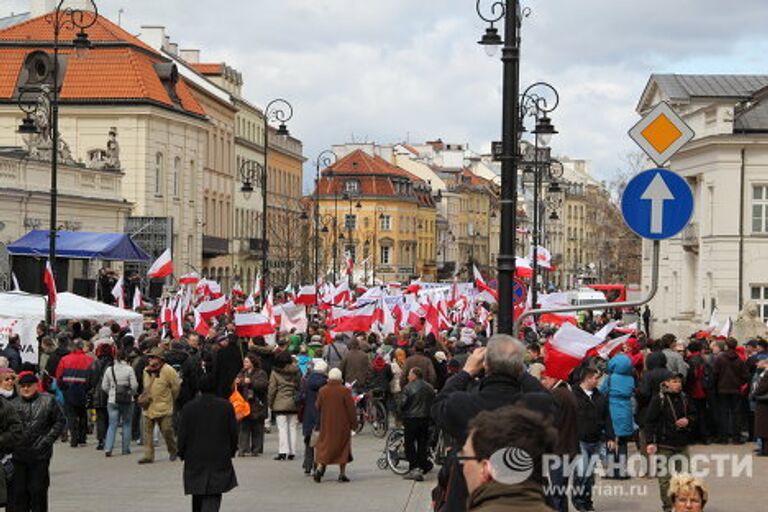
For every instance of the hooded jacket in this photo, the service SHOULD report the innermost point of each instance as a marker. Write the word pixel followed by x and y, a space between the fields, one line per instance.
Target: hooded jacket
pixel 663 412
pixel 619 386
pixel 650 383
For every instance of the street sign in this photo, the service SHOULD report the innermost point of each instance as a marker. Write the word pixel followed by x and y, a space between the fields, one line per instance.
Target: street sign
pixel 661 133
pixel 519 292
pixel 657 204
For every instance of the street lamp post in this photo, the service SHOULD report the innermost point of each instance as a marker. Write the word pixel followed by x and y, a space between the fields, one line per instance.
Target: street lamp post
pixel 378 216
pixel 509 11
pixel 280 111
pixel 326 220
pixel 324 160
pixel 60 19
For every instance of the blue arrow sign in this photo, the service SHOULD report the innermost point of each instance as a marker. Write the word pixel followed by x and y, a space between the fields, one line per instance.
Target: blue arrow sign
pixel 657 204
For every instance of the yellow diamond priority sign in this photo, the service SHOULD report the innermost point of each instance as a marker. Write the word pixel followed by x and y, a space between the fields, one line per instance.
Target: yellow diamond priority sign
pixel 661 133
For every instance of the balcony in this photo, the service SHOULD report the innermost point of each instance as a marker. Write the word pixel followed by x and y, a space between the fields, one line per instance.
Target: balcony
pixel 214 246
pixel 689 238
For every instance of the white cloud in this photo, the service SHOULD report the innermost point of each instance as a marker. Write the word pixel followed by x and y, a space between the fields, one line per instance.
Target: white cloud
pixel 392 69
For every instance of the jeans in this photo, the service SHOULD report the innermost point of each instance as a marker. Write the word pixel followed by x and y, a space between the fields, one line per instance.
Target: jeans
pixel 287 433
pixel 557 493
pixel 206 502
pixel 166 428
pixel 102 424
pixel 115 412
pixel 416 434
pixel 77 420
pixel 584 479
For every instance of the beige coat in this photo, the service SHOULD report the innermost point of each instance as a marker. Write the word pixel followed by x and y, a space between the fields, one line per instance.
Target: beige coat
pixel 164 389
pixel 283 387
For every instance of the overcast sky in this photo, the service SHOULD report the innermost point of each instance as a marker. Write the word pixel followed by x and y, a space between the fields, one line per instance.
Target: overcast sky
pixel 396 70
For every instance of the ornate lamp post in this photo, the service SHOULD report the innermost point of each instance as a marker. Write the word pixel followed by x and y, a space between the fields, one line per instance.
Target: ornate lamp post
pixel 60 19
pixel 324 160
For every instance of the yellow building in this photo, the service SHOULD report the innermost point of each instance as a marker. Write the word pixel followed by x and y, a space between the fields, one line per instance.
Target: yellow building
pixel 381 215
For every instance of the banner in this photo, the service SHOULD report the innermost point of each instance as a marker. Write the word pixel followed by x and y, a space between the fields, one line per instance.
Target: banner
pixel 27 331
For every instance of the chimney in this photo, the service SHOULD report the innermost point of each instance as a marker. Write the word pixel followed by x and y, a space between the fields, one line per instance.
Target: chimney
pixel 173 48
pixel 153 35
pixel 191 56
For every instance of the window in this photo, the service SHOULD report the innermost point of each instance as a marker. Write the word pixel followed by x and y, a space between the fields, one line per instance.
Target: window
pixel 384 259
pixel 352 186
pixel 176 171
pixel 350 222
pixel 159 173
pixel 760 208
pixel 759 294
pixel 385 222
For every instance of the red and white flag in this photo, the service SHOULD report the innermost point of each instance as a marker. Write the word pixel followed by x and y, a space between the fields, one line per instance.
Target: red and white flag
pixel 606 330
pixel 137 302
pixel 612 347
pixel 725 332
pixel 201 326
pixel 307 296
pixel 119 293
pixel 50 283
pixel 269 309
pixel 191 278
pixel 414 287
pixel 249 325
pixel 257 286
pixel 177 324
pixel 523 267
pixel 556 300
pixel 567 349
pixel 237 290
pixel 294 317
pixel 482 286
pixel 162 267
pixel 360 319
pixel 212 308
pixel 350 263
pixel 543 257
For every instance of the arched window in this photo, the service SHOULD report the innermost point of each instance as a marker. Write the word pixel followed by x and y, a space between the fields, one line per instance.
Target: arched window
pixel 159 173
pixel 176 175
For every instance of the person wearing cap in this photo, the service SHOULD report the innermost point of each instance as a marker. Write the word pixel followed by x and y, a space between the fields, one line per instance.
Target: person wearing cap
pixel 162 384
pixel 42 422
pixel 338 419
pixel 669 423
pixel 10 432
pixel 73 375
pixel 318 377
pixel 315 346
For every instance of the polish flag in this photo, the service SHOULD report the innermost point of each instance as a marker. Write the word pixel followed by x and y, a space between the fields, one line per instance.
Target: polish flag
pixel 480 284
pixel 269 309
pixel 191 278
pixel 137 302
pixel 50 283
pixel 118 293
pixel 257 286
pixel 725 332
pixel 163 266
pixel 350 264
pixel 201 326
pixel 294 317
pixel 342 294
pixel 307 296
pixel 606 330
pixel 566 350
pixel 414 287
pixel 249 325
pixel 354 320
pixel 177 324
pixel 543 257
pixel 523 267
pixel 556 300
pixel 212 308
pixel 237 290
pixel 626 329
pixel 612 347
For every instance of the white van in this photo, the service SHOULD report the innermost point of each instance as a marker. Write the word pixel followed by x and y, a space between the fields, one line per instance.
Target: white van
pixel 585 297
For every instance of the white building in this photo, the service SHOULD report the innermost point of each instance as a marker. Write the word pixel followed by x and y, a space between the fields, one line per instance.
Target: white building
pixel 719 259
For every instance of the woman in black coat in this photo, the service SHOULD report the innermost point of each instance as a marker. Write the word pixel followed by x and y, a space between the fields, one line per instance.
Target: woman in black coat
pixel 207 442
pixel 309 390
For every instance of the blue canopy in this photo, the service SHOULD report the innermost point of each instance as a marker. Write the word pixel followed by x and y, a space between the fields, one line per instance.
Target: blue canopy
pixel 78 244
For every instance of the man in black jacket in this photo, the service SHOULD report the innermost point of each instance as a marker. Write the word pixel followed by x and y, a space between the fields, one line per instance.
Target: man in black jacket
pixel 505 383
pixel 594 430
pixel 10 437
pixel 42 423
pixel 669 424
pixel 417 402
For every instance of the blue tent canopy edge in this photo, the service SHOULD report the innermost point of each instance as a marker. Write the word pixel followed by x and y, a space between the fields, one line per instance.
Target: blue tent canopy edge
pixel 79 244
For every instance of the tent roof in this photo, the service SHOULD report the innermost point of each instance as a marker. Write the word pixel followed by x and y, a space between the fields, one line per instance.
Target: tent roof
pixel 68 306
pixel 78 244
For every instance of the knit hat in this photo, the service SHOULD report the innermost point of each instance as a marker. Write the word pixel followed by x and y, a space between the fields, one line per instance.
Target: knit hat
pixel 335 374
pixel 316 341
pixel 6 370
pixel 319 366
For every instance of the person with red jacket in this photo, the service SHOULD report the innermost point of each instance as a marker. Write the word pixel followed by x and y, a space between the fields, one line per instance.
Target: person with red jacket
pixel 698 385
pixel 74 376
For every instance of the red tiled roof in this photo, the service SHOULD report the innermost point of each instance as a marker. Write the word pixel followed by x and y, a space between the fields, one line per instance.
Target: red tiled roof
pixel 208 69
pixel 40 30
pixel 123 72
pixel 360 162
pixel 474 179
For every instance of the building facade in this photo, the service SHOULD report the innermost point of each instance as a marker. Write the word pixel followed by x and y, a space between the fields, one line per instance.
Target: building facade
pixel 718 259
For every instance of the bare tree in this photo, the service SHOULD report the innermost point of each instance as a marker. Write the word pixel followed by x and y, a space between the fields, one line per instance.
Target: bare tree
pixel 632 163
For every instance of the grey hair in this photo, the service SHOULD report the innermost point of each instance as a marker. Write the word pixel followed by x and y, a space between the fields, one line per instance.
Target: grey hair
pixel 4 362
pixel 504 355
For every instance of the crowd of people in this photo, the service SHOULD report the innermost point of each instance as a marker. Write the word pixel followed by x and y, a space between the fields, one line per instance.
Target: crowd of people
pixel 481 394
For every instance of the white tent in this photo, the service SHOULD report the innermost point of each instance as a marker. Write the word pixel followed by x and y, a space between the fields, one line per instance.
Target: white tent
pixel 20 312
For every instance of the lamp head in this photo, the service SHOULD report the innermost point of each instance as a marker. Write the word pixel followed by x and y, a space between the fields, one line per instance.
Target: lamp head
pixel 544 131
pixel 82 44
pixel 490 41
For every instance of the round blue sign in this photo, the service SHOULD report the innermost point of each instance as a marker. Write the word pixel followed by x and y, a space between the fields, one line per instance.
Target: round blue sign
pixel 519 292
pixel 657 204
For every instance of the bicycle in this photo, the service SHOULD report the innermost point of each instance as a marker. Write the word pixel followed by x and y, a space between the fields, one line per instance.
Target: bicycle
pixel 372 409
pixel 394 457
